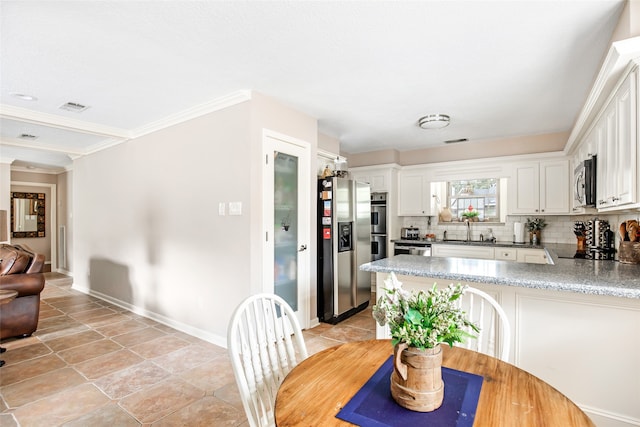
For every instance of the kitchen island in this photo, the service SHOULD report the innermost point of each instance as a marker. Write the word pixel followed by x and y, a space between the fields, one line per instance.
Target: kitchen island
pixel 596 277
pixel 574 323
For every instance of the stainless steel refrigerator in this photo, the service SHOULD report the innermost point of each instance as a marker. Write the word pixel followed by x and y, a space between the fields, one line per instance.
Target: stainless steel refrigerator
pixel 344 243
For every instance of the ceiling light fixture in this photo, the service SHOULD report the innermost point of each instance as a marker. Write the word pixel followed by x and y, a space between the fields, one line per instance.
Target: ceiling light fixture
pixel 23 96
pixel 434 121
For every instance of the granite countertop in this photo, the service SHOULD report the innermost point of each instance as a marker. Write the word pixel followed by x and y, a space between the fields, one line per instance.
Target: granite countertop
pixel 595 277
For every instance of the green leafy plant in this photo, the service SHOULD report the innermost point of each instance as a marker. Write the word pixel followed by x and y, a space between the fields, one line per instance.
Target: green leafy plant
pixel 470 214
pixel 535 224
pixel 423 319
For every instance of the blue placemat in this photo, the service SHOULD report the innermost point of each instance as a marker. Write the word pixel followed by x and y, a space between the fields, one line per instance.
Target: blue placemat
pixel 373 405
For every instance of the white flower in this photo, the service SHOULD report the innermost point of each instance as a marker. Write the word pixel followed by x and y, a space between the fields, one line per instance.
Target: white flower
pixel 392 283
pixel 394 288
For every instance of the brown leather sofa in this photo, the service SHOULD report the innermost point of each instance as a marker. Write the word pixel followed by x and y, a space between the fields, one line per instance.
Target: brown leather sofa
pixel 20 270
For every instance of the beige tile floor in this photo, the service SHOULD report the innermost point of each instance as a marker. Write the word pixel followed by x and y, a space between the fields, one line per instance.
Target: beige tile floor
pixel 91 363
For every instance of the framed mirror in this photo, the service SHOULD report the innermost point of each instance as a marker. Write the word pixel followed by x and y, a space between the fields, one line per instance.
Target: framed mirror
pixel 27 214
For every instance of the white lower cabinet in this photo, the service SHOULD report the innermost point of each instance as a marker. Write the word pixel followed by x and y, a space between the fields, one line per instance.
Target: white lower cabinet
pixel 462 251
pixel 532 256
pixel 583 345
pixel 506 254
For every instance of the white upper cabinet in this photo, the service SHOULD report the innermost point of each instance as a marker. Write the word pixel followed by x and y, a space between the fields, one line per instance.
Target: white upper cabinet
pixel 415 197
pixel 554 187
pixel 627 118
pixel 524 190
pixel 379 178
pixel 540 188
pixel 617 168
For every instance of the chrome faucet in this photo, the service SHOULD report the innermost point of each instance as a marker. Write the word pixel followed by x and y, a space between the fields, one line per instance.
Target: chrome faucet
pixel 466 221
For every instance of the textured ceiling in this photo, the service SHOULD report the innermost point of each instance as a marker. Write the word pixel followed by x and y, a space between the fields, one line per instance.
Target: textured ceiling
pixel 366 70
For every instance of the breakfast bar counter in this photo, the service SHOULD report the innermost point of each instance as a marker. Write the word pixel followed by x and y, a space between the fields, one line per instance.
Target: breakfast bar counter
pixel 572 321
pixel 595 277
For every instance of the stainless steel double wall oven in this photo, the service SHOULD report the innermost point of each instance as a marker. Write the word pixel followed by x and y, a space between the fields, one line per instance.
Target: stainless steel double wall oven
pixel 378 226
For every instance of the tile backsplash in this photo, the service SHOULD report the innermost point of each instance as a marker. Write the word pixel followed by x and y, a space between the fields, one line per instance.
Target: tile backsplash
pixel 559 229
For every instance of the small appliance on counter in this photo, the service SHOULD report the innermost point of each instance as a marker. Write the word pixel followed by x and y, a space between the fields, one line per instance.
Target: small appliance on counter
pixel 410 233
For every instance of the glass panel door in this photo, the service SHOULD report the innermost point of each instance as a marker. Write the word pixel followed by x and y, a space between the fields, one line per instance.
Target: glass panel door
pixel 287 221
pixel 285 205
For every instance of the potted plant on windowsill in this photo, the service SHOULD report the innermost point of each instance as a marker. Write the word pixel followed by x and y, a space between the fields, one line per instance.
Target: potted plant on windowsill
pixel 471 214
pixel 535 227
pixel 419 322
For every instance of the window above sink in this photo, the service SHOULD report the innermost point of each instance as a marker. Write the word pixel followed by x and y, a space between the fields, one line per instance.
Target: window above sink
pixel 474 199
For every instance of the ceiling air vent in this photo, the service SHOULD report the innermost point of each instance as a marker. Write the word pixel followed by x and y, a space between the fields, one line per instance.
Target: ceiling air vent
pixel 73 106
pixel 27 136
pixel 454 141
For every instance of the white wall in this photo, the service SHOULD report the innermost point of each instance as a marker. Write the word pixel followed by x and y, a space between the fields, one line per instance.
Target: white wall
pixel 147 234
pixel 146 226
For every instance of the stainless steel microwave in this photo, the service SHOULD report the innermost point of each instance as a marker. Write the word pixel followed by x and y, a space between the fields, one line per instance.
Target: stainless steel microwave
pixel 584 183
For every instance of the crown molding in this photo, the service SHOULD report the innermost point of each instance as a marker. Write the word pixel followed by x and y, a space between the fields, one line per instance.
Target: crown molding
pixel 52 120
pixel 6 160
pixel 14 142
pixel 37 170
pixel 194 112
pixel 327 154
pixel 620 55
pixel 378 166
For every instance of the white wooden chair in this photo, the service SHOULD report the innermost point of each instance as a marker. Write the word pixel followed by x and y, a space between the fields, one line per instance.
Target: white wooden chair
pixel 265 342
pixel 494 337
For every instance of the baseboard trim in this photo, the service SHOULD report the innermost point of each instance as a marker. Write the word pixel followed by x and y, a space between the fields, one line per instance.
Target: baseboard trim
pixel 617 418
pixel 313 323
pixel 182 327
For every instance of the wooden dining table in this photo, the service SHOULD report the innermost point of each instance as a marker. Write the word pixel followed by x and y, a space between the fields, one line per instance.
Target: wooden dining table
pixel 320 386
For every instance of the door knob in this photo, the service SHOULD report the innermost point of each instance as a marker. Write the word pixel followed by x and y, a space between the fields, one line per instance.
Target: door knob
pixel 302 248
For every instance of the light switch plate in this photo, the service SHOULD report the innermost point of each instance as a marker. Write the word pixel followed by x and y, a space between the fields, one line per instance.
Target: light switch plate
pixel 222 209
pixel 235 208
